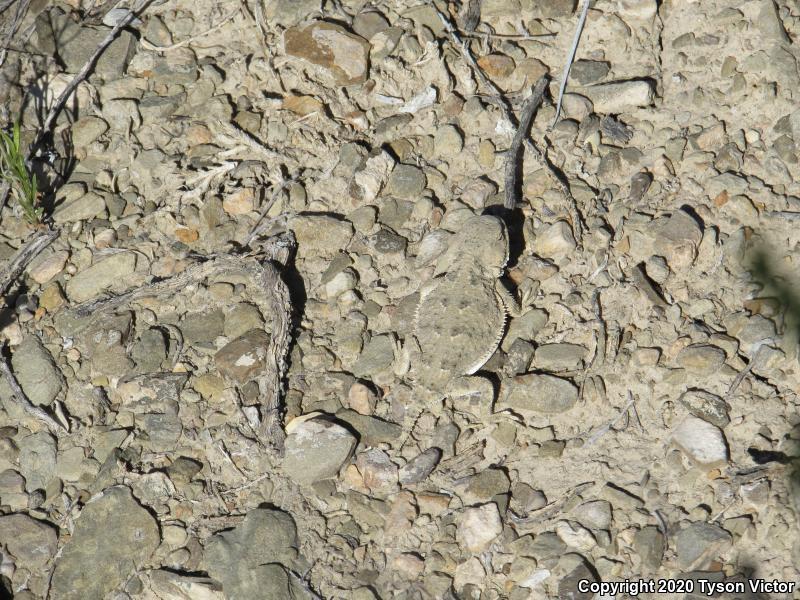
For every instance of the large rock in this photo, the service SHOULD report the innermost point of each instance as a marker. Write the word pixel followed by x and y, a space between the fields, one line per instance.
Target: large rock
pixel 538 394
pixel 113 537
pixel 479 526
pixel 703 442
pixel 248 560
pixel 29 541
pixel 36 372
pixel 176 586
pixel 320 235
pixel 344 55
pixel 245 357
pixel 103 274
pixel 698 544
pixel 316 449
pixel 74 44
pixel 620 97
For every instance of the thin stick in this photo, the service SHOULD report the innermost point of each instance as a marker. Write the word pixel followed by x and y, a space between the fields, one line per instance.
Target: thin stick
pixel 499 100
pixel 570 58
pixel 148 46
pixel 49 122
pixel 21 399
pixel 550 510
pixel 5 5
pixel 512 157
pixel 273 296
pixel 17 264
pixel 248 139
pixel 257 229
pixel 505 36
pixel 314 595
pixel 608 426
pixel 744 372
pixel 22 8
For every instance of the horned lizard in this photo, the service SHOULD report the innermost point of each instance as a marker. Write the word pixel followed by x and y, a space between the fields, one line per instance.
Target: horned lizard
pixel 461 315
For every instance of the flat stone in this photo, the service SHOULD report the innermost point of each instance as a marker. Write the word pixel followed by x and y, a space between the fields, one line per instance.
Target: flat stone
pixel 163 430
pixel 183 469
pixel 595 514
pixel 707 406
pixel 69 464
pixel 246 558
pixel 483 486
pixel 150 351
pixel 104 274
pixel 702 441
pixel 559 357
pixel 700 543
pixel 406 181
pixel 103 343
pixel 75 44
pixel 388 242
pixel 87 129
pixel 11 482
pixel 316 449
pixel 343 54
pixel 553 9
pixel 371 430
pixel 555 241
pixel 245 357
pixel 240 202
pixel 571 571
pixel 369 23
pixel 448 141
pixel 242 318
pixel 376 357
pixel 46 267
pixel 168 585
pixel 525 498
pixel 620 97
pixel 497 66
pixel 37 459
pixel 31 542
pixel 538 393
pixel 419 467
pixel 290 12
pixel 377 470
pixel 701 359
pixel 84 207
pixel 113 536
pixel 589 71
pixel 479 527
pixel 575 536
pixel 320 235
pixel 35 371
pixel 202 327
pixel 650 544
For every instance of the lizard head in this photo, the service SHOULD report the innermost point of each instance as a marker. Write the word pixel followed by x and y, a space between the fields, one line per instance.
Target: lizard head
pixel 482 240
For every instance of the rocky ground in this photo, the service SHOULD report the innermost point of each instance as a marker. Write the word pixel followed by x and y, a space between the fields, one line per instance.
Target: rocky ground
pixel 638 422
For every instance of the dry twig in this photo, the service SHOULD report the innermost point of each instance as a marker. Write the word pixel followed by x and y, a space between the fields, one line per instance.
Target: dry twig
pixel 570 58
pixel 23 258
pixel 592 439
pixel 22 8
pixel 501 102
pixel 512 156
pixel 58 105
pixel 273 298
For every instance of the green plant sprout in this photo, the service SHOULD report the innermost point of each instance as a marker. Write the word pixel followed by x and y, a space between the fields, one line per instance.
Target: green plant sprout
pixel 14 172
